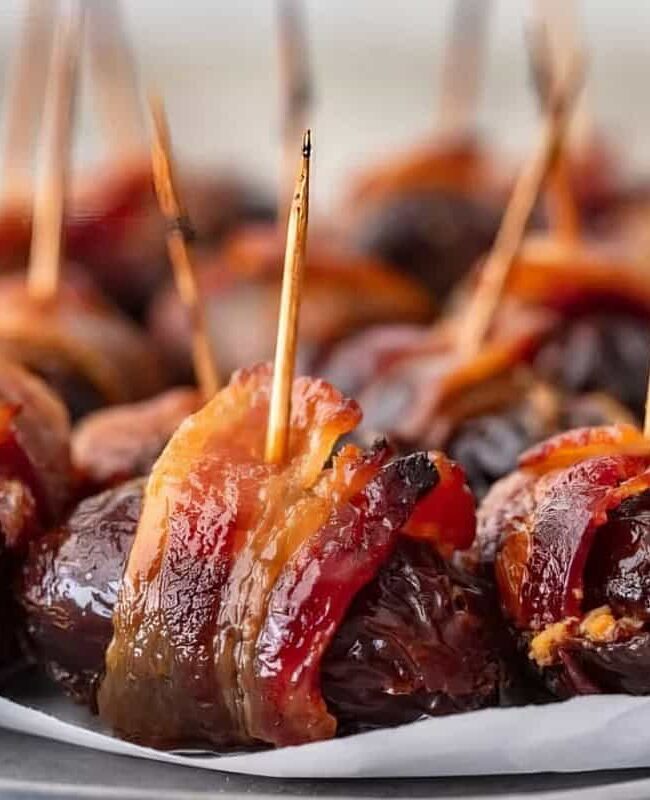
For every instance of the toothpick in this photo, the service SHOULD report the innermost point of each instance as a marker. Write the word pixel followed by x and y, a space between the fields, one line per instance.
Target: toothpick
pixel 113 73
pixel 24 92
pixel 485 300
pixel 277 436
pixel 462 67
pixel 646 425
pixel 548 70
pixel 49 201
pixel 562 20
pixel 178 234
pixel 295 94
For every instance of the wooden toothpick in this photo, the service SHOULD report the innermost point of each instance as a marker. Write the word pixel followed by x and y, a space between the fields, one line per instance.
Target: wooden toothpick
pixel 49 201
pixel 179 249
pixel 485 300
pixel 113 73
pixel 277 435
pixel 548 70
pixel 561 18
pixel 295 94
pixel 24 96
pixel 462 67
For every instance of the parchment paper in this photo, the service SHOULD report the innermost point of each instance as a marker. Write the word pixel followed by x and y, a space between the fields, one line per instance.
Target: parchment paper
pixel 587 733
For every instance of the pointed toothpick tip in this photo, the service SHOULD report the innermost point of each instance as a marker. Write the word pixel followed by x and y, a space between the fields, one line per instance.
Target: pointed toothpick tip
pixel 278 430
pixel 306 143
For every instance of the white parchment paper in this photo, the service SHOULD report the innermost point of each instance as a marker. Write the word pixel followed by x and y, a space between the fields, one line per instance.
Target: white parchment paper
pixel 587 733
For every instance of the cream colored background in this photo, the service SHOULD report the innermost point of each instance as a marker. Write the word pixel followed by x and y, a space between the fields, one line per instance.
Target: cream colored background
pixel 375 67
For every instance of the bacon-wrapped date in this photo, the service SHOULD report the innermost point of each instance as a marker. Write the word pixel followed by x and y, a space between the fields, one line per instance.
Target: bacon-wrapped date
pixel 483 413
pixel 238 601
pixel 567 536
pixel 113 226
pixel 432 213
pixel 341 293
pixel 583 328
pixel 35 480
pixel 82 347
pixel 584 322
pixel 602 341
pixel 35 447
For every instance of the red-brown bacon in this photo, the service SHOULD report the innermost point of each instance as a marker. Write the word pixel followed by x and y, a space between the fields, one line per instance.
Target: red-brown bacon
pixel 242 571
pixel 541 521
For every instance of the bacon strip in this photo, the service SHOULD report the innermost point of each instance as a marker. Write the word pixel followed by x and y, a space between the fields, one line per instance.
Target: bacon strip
pixel 241 571
pixel 555 275
pixel 542 520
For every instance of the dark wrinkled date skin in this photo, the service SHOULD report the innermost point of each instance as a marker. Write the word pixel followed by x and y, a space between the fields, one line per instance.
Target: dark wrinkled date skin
pixel 618 569
pixel 69 587
pixel 617 574
pixel 488 446
pixel 434 236
pixel 420 640
pixel 590 668
pixel 600 352
pixel 10 645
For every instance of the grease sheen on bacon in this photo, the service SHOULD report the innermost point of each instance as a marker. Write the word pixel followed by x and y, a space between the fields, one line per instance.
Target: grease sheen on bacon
pixel 541 521
pixel 242 571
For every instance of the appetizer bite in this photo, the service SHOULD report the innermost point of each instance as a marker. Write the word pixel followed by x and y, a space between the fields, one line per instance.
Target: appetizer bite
pixel 529 351
pixel 434 210
pixel 467 385
pixel 259 564
pixel 567 536
pixel 35 484
pixel 55 324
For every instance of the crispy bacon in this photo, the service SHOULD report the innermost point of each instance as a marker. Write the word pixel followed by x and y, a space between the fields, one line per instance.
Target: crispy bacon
pixel 543 519
pixel 242 571
pixel 431 385
pixel 412 387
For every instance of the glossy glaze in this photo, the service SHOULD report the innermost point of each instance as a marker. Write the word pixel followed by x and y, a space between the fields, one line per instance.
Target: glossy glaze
pixel 69 586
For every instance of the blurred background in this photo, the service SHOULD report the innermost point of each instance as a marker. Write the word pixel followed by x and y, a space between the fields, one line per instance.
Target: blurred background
pixel 375 66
